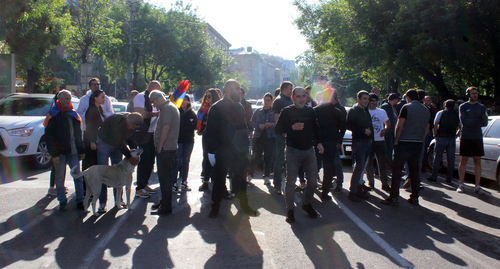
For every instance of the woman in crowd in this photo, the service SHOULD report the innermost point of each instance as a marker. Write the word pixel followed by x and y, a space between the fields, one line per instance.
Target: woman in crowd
pixel 264 138
pixel 94 116
pixel 185 143
pixel 211 96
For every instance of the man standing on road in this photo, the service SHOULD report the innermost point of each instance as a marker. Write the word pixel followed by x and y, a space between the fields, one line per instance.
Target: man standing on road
pixel 411 129
pixel 83 104
pixel 390 109
pixel 359 122
pixel 227 135
pixel 282 101
pixel 472 117
pixel 381 125
pixel 445 131
pixel 339 170
pixel 65 145
pixel 165 139
pixel 330 120
pixel 300 125
pixel 144 136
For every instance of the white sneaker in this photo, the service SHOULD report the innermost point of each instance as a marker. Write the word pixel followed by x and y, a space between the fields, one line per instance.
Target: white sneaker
pixel 249 178
pixel 52 191
pixel 460 189
pixel 479 190
pixel 267 181
pixel 142 193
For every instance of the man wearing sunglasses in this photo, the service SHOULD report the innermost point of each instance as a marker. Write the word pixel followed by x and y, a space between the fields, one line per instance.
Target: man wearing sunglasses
pixel 83 104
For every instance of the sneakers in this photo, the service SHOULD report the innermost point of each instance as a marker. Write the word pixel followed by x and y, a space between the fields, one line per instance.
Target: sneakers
pixel 52 191
pixel 249 178
pixel 142 193
pixel 149 189
pixel 290 217
pixel 267 181
pixel 175 188
pixel 310 210
pixel 431 179
pixel 338 189
pixel 185 187
pixel 204 186
pixel 63 207
pixel 390 201
pixel 460 189
pixel 413 201
pixel 479 190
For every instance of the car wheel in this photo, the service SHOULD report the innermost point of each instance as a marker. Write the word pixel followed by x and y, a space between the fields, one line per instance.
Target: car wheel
pixel 42 158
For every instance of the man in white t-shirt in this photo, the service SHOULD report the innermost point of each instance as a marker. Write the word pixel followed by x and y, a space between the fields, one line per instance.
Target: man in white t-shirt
pixel 144 137
pixel 381 124
pixel 83 104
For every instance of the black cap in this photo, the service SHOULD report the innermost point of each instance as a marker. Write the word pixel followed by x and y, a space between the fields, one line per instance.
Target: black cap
pixel 394 96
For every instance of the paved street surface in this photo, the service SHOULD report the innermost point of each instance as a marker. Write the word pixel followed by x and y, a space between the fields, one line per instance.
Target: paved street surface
pixel 448 230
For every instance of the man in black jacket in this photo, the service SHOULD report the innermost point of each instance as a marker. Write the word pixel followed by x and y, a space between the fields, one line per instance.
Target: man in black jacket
pixel 227 135
pixel 65 145
pixel 300 125
pixel 359 122
pixel 390 109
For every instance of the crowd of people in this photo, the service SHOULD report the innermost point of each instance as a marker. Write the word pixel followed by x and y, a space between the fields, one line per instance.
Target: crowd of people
pixel 292 136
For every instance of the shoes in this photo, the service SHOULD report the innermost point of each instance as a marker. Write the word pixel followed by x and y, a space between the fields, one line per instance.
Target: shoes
pixel 390 201
pixel 102 209
pixel 338 189
pixel 213 213
pixel 185 187
pixel 161 211
pixel 413 201
pixel 431 179
pixel 290 216
pixel 204 186
pixel 407 183
pixel 353 197
pixel 386 188
pixel 460 189
pixel 479 190
pixel 363 194
pixel 325 198
pixel 278 192
pixel 52 191
pixel 249 178
pixel 149 189
pixel 155 206
pixel 142 193
pixel 448 180
pixel 267 181
pixel 310 211
pixel 63 207
pixel 365 188
pixel 80 206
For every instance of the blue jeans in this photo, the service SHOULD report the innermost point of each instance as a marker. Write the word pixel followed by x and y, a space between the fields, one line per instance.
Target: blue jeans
pixel 360 152
pixel 71 160
pixel 442 144
pixel 296 158
pixel 104 153
pixel 181 161
pixel 406 152
pixel 279 161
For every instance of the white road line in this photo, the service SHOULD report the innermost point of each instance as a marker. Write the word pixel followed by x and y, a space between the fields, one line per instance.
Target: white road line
pixel 373 235
pixel 101 245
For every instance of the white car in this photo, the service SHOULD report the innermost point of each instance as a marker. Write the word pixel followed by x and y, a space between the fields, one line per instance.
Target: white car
pixel 119 107
pixel 490 162
pixel 21 127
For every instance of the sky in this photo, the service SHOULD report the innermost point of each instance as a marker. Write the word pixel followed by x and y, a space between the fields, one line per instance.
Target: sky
pixel 265 25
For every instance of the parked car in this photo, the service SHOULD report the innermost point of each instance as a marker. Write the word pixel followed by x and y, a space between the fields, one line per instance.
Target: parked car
pixel 119 107
pixel 490 162
pixel 21 127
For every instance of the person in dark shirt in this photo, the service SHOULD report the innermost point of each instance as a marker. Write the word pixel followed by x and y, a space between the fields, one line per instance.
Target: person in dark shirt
pixel 248 111
pixel 359 122
pixel 330 123
pixel 390 109
pixel 300 125
pixel 339 171
pixel 227 136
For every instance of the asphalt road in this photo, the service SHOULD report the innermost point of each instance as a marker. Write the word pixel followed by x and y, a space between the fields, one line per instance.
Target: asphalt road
pixel 448 230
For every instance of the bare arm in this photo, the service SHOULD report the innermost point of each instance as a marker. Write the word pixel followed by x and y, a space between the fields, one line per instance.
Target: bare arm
pixel 145 114
pixel 399 129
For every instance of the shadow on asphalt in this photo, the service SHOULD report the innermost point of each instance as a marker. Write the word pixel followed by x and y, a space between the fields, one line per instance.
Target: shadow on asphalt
pixel 18 170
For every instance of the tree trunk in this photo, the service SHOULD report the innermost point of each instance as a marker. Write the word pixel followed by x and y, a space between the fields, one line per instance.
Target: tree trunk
pixel 32 77
pixel 136 64
pixel 436 78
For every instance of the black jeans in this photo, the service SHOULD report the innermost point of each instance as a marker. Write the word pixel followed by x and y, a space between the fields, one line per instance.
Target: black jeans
pixel 165 161
pixel 262 144
pixel 379 151
pixel 329 166
pixel 146 163
pixel 406 152
pixel 226 159
pixel 206 167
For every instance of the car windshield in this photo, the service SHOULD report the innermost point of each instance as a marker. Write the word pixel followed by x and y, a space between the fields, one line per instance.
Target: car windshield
pixel 23 106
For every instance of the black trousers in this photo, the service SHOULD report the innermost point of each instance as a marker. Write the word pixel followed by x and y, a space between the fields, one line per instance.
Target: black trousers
pixel 266 145
pixel 165 161
pixel 146 163
pixel 206 168
pixel 225 158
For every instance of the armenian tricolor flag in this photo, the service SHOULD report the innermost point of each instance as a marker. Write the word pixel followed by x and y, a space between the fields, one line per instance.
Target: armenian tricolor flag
pixel 56 108
pixel 178 96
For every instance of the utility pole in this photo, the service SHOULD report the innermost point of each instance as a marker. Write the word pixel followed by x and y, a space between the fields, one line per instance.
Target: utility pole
pixel 129 68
